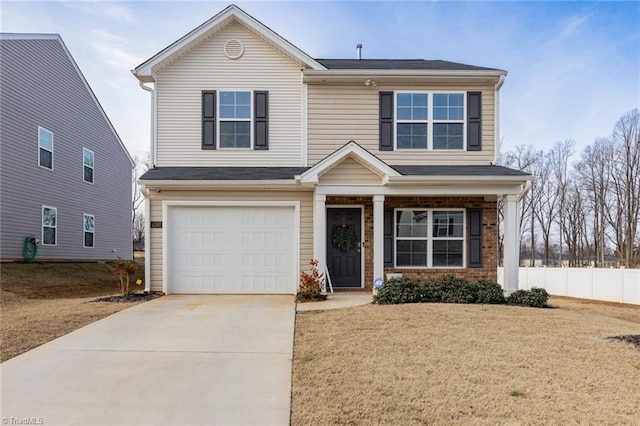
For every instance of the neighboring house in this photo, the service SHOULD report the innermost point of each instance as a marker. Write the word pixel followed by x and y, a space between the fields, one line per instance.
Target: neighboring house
pixel 265 158
pixel 65 174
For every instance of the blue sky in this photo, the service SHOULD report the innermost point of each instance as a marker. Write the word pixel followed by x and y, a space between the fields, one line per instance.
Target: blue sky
pixel 574 67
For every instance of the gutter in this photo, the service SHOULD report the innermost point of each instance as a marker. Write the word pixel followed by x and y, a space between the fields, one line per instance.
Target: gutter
pixel 399 72
pixel 171 183
pixel 412 179
pixel 391 76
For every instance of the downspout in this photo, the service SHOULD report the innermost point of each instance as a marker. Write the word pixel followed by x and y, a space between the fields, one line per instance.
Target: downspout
pixel 145 192
pixel 524 191
pixel 496 124
pixel 154 148
pixel 147 239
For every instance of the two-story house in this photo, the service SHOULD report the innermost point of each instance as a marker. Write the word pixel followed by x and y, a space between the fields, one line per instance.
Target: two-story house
pixel 265 158
pixel 65 175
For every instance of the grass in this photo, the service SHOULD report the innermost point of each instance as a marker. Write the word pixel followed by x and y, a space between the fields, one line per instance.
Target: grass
pixel 399 364
pixel 43 301
pixel 466 364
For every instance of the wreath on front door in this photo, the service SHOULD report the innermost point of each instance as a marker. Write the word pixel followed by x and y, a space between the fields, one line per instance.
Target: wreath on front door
pixel 344 238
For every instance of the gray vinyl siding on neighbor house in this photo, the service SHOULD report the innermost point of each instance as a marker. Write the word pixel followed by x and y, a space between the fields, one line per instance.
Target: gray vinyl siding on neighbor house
pixel 40 86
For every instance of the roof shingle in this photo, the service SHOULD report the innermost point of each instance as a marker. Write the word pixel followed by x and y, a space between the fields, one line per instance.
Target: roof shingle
pixel 399 64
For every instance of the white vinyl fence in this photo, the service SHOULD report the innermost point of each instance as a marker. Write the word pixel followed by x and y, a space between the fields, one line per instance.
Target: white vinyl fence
pixel 613 285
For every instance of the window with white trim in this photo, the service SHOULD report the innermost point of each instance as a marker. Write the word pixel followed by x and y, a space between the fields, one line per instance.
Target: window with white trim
pixel 49 226
pixel 411 120
pixel 439 127
pixel 89 229
pixel 234 125
pixel 45 148
pixel 429 238
pixel 87 165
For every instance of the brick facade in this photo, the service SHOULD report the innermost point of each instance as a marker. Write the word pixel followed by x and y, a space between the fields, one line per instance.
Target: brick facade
pixel 489 234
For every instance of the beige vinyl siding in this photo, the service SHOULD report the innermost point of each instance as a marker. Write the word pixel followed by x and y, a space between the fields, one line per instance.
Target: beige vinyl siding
pixel 350 172
pixel 179 88
pixel 338 114
pixel 306 219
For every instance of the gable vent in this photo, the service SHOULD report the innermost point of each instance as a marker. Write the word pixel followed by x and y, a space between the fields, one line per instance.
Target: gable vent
pixel 233 49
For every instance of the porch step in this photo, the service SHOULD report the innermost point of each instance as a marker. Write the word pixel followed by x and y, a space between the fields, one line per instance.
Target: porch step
pixel 350 289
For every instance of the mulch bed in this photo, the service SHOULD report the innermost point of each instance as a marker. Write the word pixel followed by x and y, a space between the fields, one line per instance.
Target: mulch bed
pixel 136 297
pixel 633 339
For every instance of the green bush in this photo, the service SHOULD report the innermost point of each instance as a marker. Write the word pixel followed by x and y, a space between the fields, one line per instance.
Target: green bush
pixel 534 298
pixel 489 292
pixel 450 289
pixel 397 291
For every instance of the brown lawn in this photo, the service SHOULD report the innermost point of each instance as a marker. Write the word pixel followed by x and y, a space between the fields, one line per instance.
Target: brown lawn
pixel 467 364
pixel 41 302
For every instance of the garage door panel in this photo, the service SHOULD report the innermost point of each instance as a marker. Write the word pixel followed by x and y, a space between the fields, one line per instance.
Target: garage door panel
pixel 231 249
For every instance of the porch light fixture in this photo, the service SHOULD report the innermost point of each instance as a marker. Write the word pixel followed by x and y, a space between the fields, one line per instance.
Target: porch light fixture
pixel 370 82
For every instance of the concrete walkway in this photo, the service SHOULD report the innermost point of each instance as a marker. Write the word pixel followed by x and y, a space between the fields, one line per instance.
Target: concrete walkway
pixel 338 300
pixel 176 360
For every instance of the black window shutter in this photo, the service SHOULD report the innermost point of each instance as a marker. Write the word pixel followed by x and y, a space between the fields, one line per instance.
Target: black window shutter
pixel 388 237
pixel 261 120
pixel 474 121
pixel 474 217
pixel 386 121
pixel 208 119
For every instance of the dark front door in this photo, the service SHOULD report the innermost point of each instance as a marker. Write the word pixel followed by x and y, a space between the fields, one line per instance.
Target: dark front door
pixel 344 251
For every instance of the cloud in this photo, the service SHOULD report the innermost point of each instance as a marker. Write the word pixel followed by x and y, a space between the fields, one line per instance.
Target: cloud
pixel 110 10
pixel 118 12
pixel 112 50
pixel 573 25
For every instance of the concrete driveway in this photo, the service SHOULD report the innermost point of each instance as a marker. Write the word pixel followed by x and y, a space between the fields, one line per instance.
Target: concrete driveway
pixel 176 360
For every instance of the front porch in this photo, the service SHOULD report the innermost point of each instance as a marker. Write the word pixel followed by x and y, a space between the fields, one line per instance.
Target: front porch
pixel 365 251
pixel 426 222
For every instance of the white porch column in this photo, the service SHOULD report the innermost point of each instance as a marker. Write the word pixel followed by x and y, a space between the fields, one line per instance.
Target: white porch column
pixel 320 232
pixel 511 247
pixel 378 237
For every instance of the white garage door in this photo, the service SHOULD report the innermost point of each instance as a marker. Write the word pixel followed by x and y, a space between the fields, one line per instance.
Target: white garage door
pixel 220 249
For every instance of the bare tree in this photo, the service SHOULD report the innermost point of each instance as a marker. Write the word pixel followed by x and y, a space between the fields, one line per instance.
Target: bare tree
pixel 625 181
pixel 545 208
pixel 574 222
pixel 527 159
pixel 594 175
pixel 558 159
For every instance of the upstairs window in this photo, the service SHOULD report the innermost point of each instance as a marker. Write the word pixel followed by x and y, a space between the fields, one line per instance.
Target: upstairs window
pixel 411 119
pixel 87 165
pixel 89 228
pixel 235 119
pixel 49 226
pixel 448 121
pixel 440 127
pixel 438 121
pixel 45 148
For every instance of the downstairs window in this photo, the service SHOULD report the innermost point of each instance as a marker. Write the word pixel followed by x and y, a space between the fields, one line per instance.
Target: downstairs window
pixel 429 238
